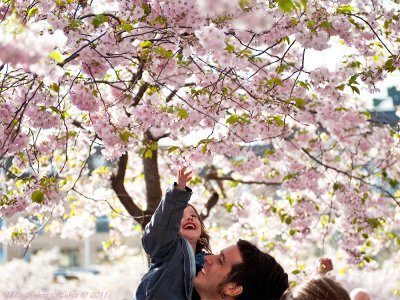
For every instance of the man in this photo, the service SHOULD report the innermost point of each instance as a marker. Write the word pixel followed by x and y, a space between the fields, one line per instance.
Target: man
pixel 241 271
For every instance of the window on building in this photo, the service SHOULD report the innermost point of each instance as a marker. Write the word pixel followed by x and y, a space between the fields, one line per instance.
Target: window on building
pixel 69 258
pixel 102 224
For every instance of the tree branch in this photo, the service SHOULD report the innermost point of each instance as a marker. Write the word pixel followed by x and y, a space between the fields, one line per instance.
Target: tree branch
pixel 230 178
pixel 212 201
pixel 140 93
pixel 151 176
pixel 362 180
pixel 117 183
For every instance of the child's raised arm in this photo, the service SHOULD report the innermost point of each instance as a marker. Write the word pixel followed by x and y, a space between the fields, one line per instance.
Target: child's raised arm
pixel 161 234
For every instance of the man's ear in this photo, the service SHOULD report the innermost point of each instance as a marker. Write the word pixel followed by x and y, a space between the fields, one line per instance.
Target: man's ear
pixel 231 289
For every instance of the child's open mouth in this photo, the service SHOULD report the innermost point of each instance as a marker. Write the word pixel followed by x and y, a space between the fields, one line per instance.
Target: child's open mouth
pixel 189 226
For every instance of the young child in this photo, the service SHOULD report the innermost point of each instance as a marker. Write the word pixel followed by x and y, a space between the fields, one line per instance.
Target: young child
pixel 175 239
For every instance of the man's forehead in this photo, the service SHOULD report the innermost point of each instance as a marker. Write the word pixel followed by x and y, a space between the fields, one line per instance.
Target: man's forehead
pixel 231 254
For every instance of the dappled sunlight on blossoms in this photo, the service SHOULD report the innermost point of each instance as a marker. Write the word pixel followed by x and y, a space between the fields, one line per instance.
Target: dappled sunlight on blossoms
pixel 102 101
pixel 78 227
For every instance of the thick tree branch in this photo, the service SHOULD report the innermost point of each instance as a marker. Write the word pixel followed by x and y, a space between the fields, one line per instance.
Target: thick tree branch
pixel 143 88
pixel 117 183
pixel 152 176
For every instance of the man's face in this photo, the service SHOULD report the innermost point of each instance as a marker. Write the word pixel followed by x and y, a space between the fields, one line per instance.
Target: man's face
pixel 216 268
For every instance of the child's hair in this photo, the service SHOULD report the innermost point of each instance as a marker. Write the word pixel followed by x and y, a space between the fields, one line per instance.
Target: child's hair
pixel 204 241
pixel 320 287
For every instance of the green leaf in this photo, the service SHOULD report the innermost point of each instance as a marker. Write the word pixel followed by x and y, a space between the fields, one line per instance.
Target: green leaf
pixel 327 25
pixel 353 79
pixel 205 141
pixel 275 81
pixel 393 182
pixel 75 24
pixel 304 2
pixel 15 233
pixel 164 53
pixel 230 48
pixel 282 68
pixel 374 222
pixel 125 136
pixel 161 20
pixel 355 89
pixel 146 44
pixel 56 110
pixel 290 176
pixel 127 27
pixel 295 272
pixel 300 103
pixel 54 86
pixel 345 9
pixel 33 11
pixel 232 119
pixel 279 121
pixel 355 64
pixel 288 220
pixel 204 149
pixel 286 5
pixel 99 19
pixel 367 114
pixel 244 4
pixel 269 152
pixel 341 87
pixel 172 149
pixel 229 206
pixel 37 197
pixel 311 24
pixel 182 114
pixel 304 85
pixel 292 232
pixel 148 153
pixel 56 55
pixel 146 8
pixel 389 65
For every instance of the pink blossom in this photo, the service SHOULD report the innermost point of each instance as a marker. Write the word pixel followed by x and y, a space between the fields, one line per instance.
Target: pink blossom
pixel 83 97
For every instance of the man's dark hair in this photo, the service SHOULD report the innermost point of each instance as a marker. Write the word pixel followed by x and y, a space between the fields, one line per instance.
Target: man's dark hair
pixel 259 274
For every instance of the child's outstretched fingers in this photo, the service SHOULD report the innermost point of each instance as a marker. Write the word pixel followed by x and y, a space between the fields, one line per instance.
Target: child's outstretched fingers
pixel 183 178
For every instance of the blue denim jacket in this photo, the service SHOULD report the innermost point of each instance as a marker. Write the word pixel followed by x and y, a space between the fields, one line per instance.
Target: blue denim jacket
pixel 170 273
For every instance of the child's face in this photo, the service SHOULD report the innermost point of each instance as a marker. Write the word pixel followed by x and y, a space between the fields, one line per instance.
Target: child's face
pixel 190 225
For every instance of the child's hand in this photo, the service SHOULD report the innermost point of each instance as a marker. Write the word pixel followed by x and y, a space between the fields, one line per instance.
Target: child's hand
pixel 183 178
pixel 325 265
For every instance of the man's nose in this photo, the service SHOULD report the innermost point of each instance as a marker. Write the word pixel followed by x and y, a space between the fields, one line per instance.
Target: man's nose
pixel 209 259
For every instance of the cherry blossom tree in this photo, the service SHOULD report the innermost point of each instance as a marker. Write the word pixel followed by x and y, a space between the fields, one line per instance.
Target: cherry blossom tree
pixel 224 86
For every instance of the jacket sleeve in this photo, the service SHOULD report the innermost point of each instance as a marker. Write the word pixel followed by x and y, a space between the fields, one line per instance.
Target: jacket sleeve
pixel 161 233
